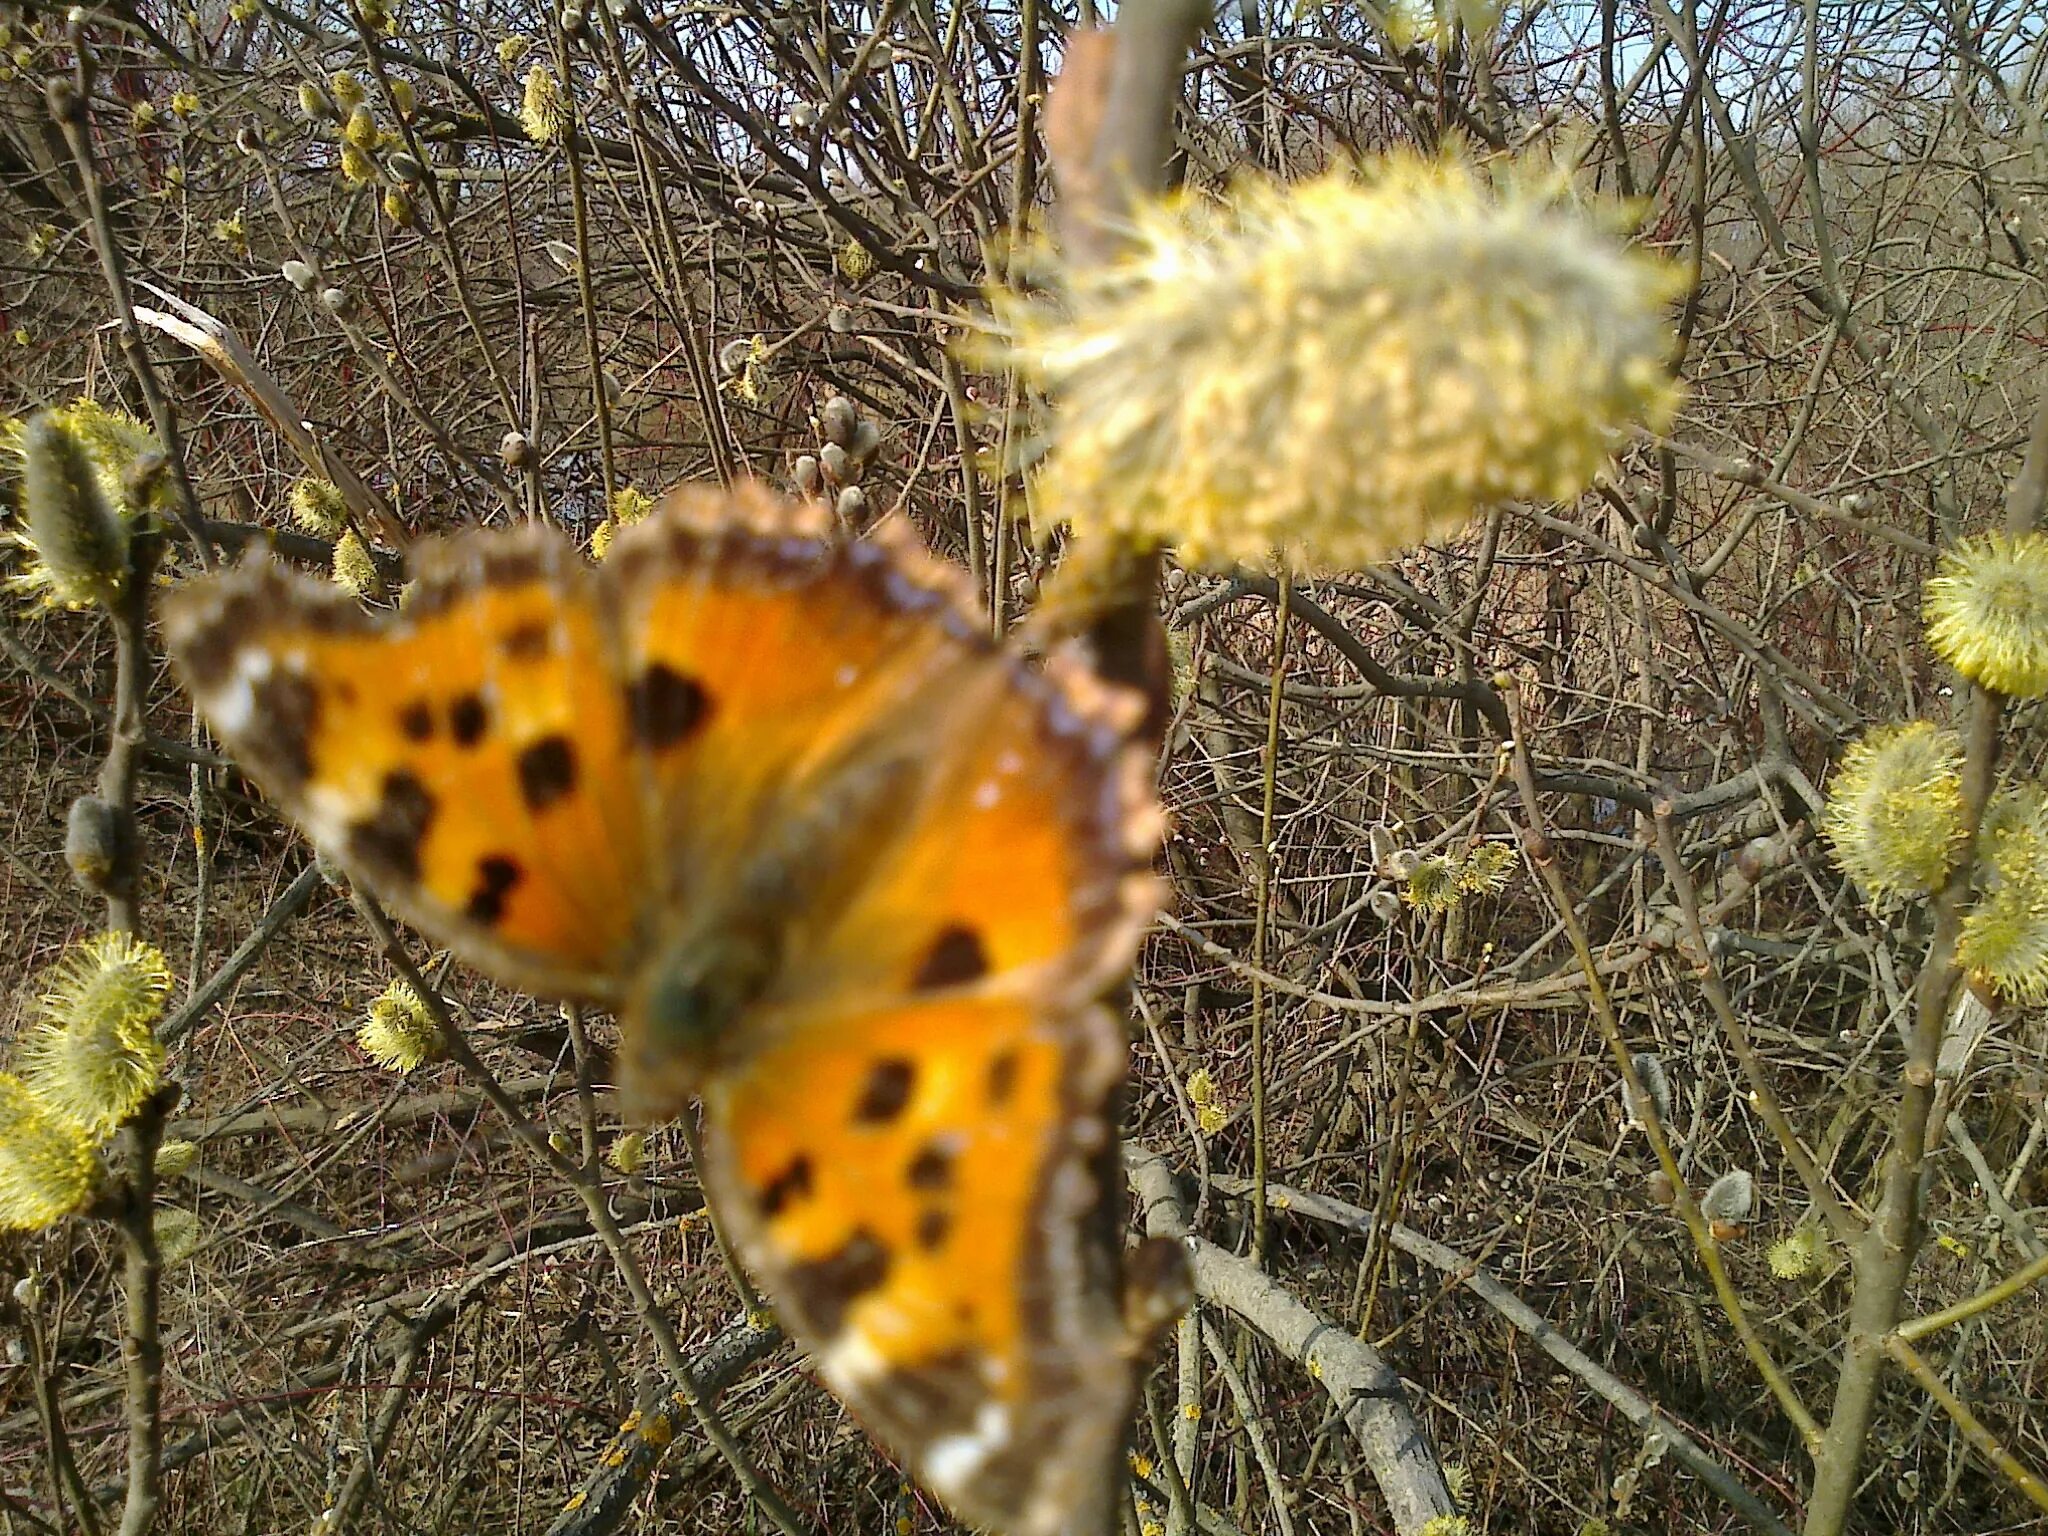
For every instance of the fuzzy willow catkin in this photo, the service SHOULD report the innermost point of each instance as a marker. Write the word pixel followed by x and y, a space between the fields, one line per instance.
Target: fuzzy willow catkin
pixel 78 537
pixel 1340 367
pixel 1986 610
pixel 1895 810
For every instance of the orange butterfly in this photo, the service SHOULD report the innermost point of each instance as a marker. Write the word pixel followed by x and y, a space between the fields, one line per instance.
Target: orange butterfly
pixel 849 871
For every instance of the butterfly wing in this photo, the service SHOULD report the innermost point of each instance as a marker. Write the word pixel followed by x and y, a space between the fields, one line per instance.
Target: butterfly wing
pixel 911 1133
pixel 765 648
pixel 469 757
pixel 920 1191
pixel 915 1147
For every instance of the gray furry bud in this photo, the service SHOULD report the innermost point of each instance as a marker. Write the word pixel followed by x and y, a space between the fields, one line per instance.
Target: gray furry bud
pixel 1731 1197
pixel 92 842
pixel 867 438
pixel 838 420
pixel 1656 1084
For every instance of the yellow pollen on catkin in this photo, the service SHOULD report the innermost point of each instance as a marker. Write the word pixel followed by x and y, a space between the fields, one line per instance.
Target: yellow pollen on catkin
pixel 1341 367
pixel 93 1055
pixel 398 1033
pixel 543 114
pixel 2004 941
pixel 46 1160
pixel 1986 609
pixel 1895 810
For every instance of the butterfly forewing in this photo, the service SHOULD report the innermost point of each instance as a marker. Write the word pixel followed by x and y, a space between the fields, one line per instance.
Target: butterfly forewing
pixel 760 653
pixel 468 757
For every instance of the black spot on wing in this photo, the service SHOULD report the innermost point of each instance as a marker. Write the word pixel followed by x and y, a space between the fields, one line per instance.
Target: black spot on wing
pixel 547 771
pixel 529 641
pixel 954 959
pixel 468 720
pixel 1002 1078
pixel 416 720
pixel 793 1183
pixel 933 1225
pixel 931 1171
pixel 288 707
pixel 388 840
pixel 496 875
pixel 886 1093
pixel 664 708
pixel 825 1288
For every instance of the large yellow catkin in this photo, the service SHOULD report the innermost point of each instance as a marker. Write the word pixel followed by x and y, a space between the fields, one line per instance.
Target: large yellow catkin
pixel 1986 610
pixel 398 1033
pixel 1895 810
pixel 93 1056
pixel 46 1161
pixel 77 540
pixel 2004 942
pixel 318 507
pixel 1344 366
pixel 542 112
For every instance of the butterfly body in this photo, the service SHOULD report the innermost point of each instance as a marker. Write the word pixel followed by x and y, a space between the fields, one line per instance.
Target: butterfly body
pixel 851 874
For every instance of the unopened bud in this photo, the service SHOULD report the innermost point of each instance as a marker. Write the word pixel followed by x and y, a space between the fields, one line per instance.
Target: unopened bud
pixel 867 438
pixel 838 420
pixel 66 105
pixel 92 842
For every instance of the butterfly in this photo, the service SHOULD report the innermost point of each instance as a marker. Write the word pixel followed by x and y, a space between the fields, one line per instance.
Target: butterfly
pixel 853 875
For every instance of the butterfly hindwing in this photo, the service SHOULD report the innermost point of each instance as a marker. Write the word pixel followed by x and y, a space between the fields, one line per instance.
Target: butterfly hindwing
pixel 467 756
pixel 917 1188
